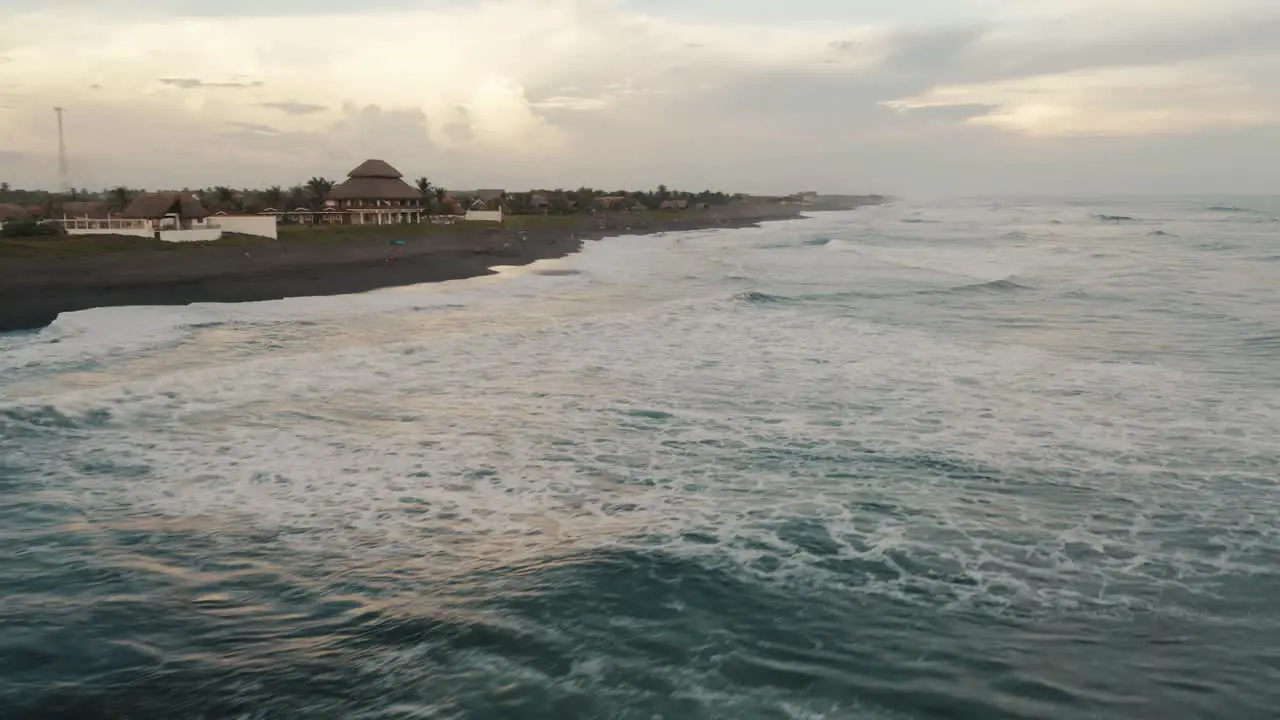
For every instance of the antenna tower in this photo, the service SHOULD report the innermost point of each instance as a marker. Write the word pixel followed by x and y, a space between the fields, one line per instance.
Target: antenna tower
pixel 64 171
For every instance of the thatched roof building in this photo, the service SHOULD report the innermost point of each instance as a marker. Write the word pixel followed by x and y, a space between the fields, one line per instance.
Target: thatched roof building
pixel 491 198
pixel 153 206
pixel 374 180
pixel 12 211
pixel 85 208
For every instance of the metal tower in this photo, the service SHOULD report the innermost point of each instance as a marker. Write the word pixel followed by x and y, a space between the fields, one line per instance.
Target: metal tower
pixel 64 171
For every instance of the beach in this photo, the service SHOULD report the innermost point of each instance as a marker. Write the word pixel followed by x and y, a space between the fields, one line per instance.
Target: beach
pixel 119 270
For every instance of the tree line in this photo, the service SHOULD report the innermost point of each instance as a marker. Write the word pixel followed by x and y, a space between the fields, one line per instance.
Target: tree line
pixel 310 195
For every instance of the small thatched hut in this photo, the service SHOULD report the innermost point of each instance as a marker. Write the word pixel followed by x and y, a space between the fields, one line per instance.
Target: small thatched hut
pixel 160 205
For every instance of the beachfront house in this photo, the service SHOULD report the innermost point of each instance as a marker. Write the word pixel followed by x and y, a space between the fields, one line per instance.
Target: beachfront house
pixel 482 205
pixel 487 199
pixel 86 217
pixel 539 202
pixel 616 203
pixel 376 194
pixel 167 210
pixel 480 199
pixel 170 215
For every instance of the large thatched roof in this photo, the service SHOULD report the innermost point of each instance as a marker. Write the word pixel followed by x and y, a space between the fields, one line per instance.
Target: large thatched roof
pixel 374 180
pixel 375 169
pixel 150 206
pixel 85 208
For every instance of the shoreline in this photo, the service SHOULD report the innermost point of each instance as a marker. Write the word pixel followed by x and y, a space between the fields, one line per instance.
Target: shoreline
pixel 312 263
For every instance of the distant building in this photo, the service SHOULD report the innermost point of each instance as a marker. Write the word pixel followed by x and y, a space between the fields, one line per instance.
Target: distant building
pixel 488 199
pixel 85 209
pixel 12 212
pixel 539 201
pixel 612 202
pixel 376 194
pixel 83 216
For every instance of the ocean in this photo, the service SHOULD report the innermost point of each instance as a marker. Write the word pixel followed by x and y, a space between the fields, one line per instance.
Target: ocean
pixel 985 458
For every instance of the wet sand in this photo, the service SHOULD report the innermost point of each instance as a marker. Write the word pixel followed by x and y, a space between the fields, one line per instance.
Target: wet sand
pixel 35 290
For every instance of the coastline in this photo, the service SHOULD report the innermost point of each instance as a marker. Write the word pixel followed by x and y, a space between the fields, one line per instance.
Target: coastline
pixel 338 261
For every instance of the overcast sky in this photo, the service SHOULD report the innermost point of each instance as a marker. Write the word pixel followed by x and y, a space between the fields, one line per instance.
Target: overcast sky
pixel 911 97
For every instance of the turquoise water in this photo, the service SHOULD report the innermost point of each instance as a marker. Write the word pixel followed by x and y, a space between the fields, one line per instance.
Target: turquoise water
pixel 980 459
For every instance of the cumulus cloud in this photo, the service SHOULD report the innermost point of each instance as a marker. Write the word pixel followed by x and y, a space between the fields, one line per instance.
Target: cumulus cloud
pixel 254 128
pixel 293 107
pixel 566 92
pixel 1130 101
pixel 194 83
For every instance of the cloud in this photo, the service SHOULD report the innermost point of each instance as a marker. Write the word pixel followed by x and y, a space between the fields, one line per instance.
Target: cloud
pixel 254 128
pixel 1128 101
pixel 949 112
pixel 1095 74
pixel 566 92
pixel 194 83
pixel 293 107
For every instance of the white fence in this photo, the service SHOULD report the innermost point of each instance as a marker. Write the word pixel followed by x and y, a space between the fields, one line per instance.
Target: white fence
pixel 190 235
pixel 103 226
pixel 484 215
pixel 260 225
pixel 134 231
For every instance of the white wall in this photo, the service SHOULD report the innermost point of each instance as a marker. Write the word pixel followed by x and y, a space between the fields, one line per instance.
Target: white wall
pixel 136 232
pixel 190 235
pixel 485 215
pixel 260 225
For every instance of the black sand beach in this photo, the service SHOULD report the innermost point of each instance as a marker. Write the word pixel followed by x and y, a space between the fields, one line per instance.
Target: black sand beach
pixel 118 270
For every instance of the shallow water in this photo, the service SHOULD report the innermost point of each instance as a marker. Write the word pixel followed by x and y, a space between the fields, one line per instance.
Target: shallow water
pixel 981 459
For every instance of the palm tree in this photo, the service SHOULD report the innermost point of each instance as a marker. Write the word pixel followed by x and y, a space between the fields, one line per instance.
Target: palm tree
pixel 272 196
pixel 585 196
pixel 297 197
pixel 319 188
pixel 427 189
pixel 521 203
pixel 118 198
pixel 441 194
pixel 224 196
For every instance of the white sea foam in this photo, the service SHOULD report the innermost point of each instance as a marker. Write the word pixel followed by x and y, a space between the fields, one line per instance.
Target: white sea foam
pixel 92 335
pixel 642 401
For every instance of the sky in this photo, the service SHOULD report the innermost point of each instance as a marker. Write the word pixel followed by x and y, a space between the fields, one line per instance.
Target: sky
pixel 907 97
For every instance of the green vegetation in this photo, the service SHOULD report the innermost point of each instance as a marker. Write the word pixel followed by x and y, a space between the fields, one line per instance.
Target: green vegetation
pixel 29 229
pixel 70 247
pixel 311 194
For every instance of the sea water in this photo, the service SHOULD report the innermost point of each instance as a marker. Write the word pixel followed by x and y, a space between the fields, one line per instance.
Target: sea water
pixel 989 458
